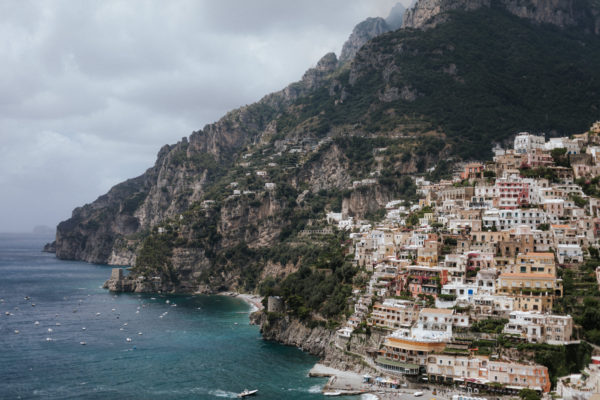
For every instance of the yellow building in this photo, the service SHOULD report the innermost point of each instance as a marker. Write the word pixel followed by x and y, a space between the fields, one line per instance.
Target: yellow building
pixel 393 314
pixel 429 254
pixel 536 263
pixel 531 291
pixel 530 263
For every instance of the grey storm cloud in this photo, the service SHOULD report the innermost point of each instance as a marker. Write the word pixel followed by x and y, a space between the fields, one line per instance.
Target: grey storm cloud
pixel 90 90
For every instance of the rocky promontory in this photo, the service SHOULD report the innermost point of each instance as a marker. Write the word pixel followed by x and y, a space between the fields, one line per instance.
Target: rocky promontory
pixel 319 340
pixel 49 247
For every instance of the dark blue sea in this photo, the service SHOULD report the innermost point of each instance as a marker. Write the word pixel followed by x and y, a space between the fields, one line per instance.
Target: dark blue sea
pixel 191 347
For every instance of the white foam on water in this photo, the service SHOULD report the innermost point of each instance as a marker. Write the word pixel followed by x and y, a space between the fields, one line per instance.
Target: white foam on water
pixel 315 389
pixel 368 396
pixel 223 393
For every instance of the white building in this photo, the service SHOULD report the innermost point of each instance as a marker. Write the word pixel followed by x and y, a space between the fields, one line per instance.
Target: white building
pixel 508 219
pixel 436 324
pixel 346 224
pixel 333 217
pixel 569 253
pixel 526 142
pixel 485 281
pixel 489 304
pixel 345 332
pixel 462 291
pixel 572 146
pixel 540 328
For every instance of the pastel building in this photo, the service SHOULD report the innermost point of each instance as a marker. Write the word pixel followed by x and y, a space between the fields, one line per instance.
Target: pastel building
pixel 423 280
pixel 532 292
pixel 526 142
pixel 394 314
pixel 540 328
pixel 483 371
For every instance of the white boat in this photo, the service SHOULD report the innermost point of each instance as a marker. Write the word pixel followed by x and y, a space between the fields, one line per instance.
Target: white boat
pixel 247 393
pixel 336 393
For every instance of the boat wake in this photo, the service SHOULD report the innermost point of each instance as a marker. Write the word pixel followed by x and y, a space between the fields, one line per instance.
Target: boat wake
pixel 315 389
pixel 223 393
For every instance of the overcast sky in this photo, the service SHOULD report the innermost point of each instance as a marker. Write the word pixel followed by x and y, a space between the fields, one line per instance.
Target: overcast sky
pixel 90 90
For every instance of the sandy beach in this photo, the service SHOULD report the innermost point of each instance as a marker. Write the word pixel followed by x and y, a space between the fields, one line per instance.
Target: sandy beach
pixel 254 300
pixel 347 382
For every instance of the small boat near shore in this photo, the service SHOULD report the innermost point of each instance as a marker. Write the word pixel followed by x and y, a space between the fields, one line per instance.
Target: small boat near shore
pixel 336 393
pixel 247 393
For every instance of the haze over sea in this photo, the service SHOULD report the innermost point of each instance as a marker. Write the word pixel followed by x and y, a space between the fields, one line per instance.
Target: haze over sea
pixel 202 347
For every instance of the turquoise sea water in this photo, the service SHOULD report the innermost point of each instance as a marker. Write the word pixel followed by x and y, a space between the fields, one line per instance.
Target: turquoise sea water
pixel 202 348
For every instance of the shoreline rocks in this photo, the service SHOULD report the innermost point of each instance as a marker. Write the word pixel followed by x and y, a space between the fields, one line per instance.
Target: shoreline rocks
pixel 50 247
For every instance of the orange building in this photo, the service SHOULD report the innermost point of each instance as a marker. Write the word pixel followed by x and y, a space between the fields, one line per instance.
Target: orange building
pixel 472 171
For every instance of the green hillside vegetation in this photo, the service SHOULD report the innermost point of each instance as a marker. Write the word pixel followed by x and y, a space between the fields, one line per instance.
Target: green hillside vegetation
pixel 582 298
pixel 479 78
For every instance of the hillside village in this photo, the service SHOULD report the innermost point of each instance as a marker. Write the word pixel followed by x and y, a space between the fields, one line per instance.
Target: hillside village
pixel 484 262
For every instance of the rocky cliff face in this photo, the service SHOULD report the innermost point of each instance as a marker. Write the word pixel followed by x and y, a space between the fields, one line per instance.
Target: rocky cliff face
pixel 233 197
pixel 362 33
pixel 178 179
pixel 317 341
pixel 369 29
pixel 394 19
pixel 562 13
pixel 320 341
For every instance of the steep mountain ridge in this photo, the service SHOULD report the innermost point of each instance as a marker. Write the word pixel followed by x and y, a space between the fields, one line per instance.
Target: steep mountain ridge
pixel 362 33
pixel 582 14
pixel 371 28
pixel 251 189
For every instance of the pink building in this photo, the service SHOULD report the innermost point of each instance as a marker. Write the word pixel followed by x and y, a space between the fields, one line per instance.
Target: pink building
pixel 511 193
